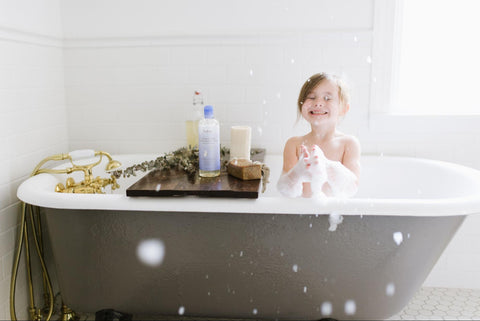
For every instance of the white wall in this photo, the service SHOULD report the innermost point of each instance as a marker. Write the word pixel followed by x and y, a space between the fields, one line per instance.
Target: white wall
pixel 33 121
pixel 130 78
pixel 131 67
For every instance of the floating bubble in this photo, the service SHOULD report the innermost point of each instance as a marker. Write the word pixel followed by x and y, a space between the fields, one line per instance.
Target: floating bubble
pixel 295 268
pixel 158 187
pixel 260 131
pixel 181 310
pixel 334 219
pixel 304 289
pixel 398 237
pixel 390 289
pixel 326 308
pixel 151 252
pixel 350 307
pixel 255 311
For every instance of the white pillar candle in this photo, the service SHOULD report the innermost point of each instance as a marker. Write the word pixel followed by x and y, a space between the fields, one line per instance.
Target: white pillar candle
pixel 240 139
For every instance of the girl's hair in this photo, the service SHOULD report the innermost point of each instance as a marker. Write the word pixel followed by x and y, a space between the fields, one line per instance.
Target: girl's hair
pixel 315 80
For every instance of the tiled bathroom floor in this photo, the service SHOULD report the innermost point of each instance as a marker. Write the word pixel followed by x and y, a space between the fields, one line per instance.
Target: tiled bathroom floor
pixel 428 304
pixel 442 304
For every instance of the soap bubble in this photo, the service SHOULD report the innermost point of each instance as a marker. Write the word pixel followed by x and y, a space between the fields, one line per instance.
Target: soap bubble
pixel 255 311
pixel 350 307
pixel 295 268
pixel 334 219
pixel 181 310
pixel 259 131
pixel 151 252
pixel 390 289
pixel 326 308
pixel 398 237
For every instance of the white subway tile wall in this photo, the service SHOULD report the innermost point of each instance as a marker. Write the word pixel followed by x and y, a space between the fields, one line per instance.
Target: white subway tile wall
pixel 33 125
pixel 136 93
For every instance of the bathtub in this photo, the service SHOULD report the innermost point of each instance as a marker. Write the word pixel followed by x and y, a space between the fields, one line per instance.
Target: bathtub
pixel 266 258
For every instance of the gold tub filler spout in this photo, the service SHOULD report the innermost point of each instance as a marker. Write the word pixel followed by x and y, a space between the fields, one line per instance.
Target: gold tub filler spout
pixel 89 185
pixel 30 225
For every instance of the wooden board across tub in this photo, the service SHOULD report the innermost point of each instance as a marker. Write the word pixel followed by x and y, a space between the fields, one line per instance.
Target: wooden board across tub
pixel 158 184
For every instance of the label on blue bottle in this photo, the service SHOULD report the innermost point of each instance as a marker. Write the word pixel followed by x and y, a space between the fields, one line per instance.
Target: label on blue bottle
pixel 209 148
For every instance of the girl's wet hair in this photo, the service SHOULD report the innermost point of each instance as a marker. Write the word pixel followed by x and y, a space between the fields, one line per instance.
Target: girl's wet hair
pixel 315 80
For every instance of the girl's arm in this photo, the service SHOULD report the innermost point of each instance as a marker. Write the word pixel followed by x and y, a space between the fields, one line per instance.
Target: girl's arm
pixel 294 170
pixel 343 177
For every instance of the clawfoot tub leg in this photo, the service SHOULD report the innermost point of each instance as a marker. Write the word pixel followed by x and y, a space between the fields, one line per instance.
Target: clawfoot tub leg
pixel 111 315
pixel 68 314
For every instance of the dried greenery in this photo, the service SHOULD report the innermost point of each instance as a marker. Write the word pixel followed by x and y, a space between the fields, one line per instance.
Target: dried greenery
pixel 184 159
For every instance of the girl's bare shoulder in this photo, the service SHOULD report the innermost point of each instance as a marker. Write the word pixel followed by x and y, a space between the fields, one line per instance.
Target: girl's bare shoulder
pixel 350 143
pixel 293 143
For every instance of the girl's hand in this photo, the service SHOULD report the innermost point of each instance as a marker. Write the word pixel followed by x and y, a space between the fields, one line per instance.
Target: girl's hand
pixel 318 171
pixel 290 183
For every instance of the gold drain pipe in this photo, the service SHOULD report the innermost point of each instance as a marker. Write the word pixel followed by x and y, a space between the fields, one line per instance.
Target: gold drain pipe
pixel 88 185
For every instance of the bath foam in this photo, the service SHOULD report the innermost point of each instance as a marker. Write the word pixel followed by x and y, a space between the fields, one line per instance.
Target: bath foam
pixel 334 219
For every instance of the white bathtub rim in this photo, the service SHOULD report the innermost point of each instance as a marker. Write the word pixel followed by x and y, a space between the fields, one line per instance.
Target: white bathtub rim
pixel 262 205
pixel 33 191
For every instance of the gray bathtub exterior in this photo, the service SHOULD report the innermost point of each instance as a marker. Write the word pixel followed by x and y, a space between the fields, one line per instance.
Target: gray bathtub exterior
pixel 243 265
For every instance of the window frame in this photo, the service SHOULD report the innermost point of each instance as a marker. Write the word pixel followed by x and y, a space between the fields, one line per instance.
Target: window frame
pixel 385 63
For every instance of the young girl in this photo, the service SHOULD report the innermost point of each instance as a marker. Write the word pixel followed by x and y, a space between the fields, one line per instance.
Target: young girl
pixel 324 162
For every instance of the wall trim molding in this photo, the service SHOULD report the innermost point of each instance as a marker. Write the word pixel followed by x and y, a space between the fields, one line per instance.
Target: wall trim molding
pixel 272 38
pixel 234 39
pixel 29 37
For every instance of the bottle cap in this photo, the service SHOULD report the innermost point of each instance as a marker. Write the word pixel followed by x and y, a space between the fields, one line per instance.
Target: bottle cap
pixel 208 111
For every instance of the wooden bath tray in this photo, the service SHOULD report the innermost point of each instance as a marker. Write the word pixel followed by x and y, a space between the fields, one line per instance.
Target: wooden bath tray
pixel 177 184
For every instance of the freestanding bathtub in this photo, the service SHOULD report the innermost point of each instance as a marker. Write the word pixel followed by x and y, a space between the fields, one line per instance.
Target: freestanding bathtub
pixel 266 258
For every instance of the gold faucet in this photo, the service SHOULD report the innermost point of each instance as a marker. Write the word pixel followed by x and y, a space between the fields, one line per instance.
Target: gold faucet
pixel 89 185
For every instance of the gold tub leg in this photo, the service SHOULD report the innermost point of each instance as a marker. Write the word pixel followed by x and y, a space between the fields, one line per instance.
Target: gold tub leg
pixel 68 314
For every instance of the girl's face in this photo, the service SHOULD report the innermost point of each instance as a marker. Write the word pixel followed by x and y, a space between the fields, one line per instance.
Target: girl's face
pixel 322 105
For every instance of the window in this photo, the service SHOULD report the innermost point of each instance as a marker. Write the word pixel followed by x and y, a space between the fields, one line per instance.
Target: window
pixel 435 58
